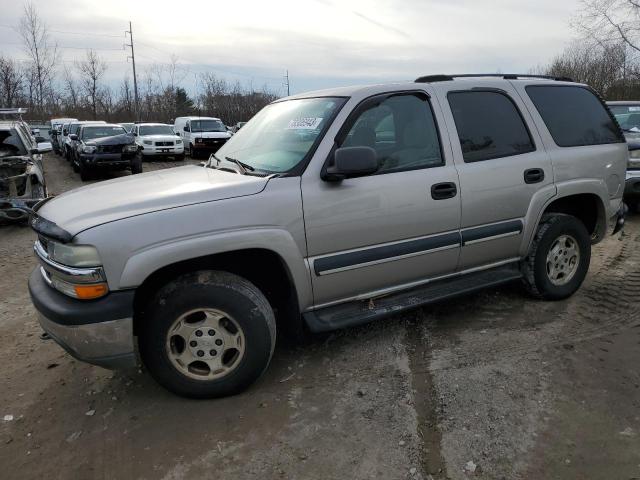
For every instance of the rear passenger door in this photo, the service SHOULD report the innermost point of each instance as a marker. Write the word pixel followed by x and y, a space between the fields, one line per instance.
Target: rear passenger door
pixel 502 166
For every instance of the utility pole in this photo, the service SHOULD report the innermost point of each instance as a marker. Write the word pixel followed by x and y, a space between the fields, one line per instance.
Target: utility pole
pixel 135 79
pixel 286 80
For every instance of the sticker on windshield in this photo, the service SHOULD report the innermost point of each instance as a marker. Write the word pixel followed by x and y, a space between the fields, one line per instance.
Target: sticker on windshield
pixel 634 109
pixel 305 123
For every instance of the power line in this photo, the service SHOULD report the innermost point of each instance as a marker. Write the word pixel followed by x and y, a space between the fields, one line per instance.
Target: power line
pixel 135 78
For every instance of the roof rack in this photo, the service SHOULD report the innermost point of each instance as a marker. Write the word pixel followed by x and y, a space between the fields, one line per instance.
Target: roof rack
pixel 506 76
pixel 12 111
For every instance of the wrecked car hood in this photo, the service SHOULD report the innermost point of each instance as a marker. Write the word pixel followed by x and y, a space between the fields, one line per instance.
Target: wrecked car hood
pixel 123 139
pixel 104 202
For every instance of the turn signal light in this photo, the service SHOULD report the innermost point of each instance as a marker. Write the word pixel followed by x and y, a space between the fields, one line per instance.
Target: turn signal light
pixel 89 292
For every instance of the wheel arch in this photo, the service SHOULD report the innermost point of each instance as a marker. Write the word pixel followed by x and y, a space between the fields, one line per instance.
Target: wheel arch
pixel 265 268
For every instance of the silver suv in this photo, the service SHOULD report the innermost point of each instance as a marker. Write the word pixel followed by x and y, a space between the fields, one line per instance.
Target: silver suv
pixel 327 210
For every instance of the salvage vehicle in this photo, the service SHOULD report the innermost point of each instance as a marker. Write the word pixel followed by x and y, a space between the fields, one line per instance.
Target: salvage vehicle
pixel 327 210
pixel 56 131
pixel 104 147
pixel 74 128
pixel 22 182
pixel 157 140
pixel 627 113
pixel 201 136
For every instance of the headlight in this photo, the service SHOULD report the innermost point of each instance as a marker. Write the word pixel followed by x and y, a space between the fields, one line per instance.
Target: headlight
pixel 634 159
pixel 178 142
pixel 74 255
pixel 74 270
pixel 88 149
pixel 147 142
pixel 130 148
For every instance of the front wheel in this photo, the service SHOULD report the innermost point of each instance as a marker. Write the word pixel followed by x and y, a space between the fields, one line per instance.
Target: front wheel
pixel 208 334
pixel 136 164
pixel 85 172
pixel 559 257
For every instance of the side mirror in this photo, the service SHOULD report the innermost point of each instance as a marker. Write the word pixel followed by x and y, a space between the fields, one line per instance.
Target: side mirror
pixel 186 128
pixel 352 162
pixel 40 139
pixel 65 132
pixel 133 133
pixel 43 147
pixel 177 134
pixel 73 137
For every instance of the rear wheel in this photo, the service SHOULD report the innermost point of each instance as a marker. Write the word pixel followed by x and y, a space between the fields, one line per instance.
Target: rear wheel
pixel 559 257
pixel 208 334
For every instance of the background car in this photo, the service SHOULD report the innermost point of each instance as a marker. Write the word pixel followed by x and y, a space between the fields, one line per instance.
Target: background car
pixel 157 140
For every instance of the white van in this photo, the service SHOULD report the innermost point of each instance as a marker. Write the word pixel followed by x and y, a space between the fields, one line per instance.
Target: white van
pixel 201 135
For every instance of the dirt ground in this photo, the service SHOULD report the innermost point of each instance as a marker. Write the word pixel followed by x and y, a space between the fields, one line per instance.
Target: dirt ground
pixel 492 386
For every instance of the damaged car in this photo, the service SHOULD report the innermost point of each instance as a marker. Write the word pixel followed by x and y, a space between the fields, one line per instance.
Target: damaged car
pixel 104 147
pixel 22 182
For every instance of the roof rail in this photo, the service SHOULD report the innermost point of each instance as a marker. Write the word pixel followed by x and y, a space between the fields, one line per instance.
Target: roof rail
pixel 506 76
pixel 12 111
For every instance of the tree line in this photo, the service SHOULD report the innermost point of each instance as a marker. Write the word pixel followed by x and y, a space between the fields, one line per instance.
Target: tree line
pixel 51 88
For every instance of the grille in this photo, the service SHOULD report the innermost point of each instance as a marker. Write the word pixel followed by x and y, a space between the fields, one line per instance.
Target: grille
pixel 164 144
pixel 110 148
pixel 214 141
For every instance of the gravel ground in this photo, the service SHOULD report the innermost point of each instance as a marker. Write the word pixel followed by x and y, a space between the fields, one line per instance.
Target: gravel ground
pixel 491 386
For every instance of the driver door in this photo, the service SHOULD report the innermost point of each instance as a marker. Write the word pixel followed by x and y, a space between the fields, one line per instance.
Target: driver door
pixel 385 230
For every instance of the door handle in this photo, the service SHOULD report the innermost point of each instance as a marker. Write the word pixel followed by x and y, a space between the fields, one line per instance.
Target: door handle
pixel 533 175
pixel 442 191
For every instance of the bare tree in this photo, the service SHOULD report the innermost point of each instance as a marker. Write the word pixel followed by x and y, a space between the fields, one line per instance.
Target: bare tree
pixel 91 69
pixel 42 53
pixel 610 21
pixel 11 77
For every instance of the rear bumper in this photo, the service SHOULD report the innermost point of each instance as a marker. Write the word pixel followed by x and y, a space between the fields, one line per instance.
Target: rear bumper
pixel 99 332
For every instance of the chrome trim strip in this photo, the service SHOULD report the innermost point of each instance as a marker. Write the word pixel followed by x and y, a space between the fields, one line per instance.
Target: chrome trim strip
pixel 387 291
pixel 493 237
pixel 68 274
pixel 388 259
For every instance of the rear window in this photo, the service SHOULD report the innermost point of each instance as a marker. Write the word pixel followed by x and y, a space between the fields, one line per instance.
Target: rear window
pixel 574 116
pixel 489 125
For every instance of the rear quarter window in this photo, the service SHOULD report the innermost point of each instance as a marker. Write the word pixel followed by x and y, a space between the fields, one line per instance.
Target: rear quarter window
pixel 575 116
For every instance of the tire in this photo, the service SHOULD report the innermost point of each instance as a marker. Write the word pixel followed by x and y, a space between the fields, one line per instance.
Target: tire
pixel 136 164
pixel 85 173
pixel 565 234
pixel 227 297
pixel 179 158
pixel 75 167
pixel 634 205
pixel 192 152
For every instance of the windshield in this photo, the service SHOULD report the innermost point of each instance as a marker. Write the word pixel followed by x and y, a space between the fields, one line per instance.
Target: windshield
pixel 156 130
pixel 279 137
pixel 207 126
pixel 10 144
pixel 127 126
pixel 91 133
pixel 628 116
pixel 73 129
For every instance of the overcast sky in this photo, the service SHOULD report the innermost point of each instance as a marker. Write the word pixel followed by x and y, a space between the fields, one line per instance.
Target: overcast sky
pixel 322 43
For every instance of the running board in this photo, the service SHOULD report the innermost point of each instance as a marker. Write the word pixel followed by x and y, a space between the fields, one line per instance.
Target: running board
pixel 354 313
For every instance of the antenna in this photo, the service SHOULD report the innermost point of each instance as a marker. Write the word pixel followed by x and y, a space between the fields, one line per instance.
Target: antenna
pixel 135 79
pixel 286 82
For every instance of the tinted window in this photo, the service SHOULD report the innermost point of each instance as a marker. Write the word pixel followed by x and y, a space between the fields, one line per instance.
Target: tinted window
pixel 574 116
pixel 10 144
pixel 156 130
pixel 489 125
pixel 401 130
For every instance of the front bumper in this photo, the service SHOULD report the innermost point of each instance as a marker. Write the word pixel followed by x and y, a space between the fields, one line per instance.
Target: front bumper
pixel 153 150
pixel 99 332
pixel 632 184
pixel 210 145
pixel 107 160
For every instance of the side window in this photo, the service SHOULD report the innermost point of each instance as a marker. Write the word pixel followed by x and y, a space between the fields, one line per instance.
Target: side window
pixel 489 125
pixel 402 131
pixel 574 115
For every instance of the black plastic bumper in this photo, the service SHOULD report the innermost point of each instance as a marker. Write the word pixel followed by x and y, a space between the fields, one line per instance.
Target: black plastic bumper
pixel 63 310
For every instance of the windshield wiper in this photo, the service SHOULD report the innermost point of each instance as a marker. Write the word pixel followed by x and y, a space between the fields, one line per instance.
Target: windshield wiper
pixel 242 165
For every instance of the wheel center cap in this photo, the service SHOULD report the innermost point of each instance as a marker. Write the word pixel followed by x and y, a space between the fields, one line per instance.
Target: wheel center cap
pixel 205 344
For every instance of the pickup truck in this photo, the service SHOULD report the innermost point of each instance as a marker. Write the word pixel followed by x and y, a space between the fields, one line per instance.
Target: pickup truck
pixel 326 210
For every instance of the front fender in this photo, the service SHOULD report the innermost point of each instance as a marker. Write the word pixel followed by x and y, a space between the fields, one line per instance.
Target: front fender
pixel 143 263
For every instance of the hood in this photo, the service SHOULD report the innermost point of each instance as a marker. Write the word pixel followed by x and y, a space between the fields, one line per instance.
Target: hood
pixel 104 202
pixel 211 135
pixel 123 139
